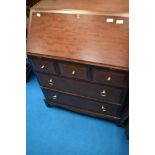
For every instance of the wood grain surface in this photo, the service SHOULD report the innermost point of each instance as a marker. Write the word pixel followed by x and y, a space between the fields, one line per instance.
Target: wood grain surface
pixel 116 6
pixel 88 38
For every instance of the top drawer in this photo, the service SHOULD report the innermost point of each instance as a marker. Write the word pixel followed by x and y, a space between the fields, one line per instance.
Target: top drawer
pixel 43 65
pixel 73 70
pixel 110 77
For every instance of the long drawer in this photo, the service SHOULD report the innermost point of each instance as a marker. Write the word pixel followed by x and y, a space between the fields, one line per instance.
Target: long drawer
pixel 99 92
pixel 82 103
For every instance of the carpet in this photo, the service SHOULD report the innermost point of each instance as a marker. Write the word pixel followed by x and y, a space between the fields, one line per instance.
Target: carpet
pixel 55 131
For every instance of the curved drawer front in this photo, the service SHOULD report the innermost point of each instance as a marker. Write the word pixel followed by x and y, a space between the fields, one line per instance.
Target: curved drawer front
pixel 81 88
pixel 82 103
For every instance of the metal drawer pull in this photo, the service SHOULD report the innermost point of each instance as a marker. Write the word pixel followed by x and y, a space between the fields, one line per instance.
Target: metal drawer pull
pixel 103 93
pixel 54 97
pixel 73 72
pixel 43 66
pixel 51 82
pixel 109 78
pixel 103 108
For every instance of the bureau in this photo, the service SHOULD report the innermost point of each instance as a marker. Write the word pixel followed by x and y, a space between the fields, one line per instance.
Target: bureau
pixel 79 53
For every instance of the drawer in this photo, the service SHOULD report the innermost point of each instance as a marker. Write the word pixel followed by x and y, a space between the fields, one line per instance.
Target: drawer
pixel 81 88
pixel 43 65
pixel 81 103
pixel 110 77
pixel 73 70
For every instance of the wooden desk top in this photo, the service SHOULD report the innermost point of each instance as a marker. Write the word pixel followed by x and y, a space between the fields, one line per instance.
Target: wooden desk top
pixel 88 40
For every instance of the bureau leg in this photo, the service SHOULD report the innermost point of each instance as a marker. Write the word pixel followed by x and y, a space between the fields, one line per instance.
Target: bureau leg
pixel 119 124
pixel 47 104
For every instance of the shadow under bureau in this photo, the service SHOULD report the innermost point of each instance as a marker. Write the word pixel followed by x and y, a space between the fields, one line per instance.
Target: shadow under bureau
pixel 79 52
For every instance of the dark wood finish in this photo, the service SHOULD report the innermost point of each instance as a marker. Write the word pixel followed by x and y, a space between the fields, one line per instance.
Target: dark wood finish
pixel 87 39
pixel 110 77
pixel 81 88
pixel 30 3
pixel 82 111
pixel 80 59
pixel 92 5
pixel 73 71
pixel 82 103
pixel 43 65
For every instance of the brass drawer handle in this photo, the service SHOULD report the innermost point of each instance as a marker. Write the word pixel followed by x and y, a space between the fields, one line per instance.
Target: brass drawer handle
pixel 54 97
pixel 103 93
pixel 73 72
pixel 103 108
pixel 109 78
pixel 42 67
pixel 51 82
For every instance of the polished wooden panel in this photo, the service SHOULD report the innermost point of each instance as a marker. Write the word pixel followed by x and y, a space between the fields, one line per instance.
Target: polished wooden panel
pixel 82 103
pixel 91 5
pixel 88 39
pixel 74 35
pixel 83 111
pixel 81 88
pixel 43 65
pixel 73 71
pixel 109 77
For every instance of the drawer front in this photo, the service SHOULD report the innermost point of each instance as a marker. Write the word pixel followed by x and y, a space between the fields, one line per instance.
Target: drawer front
pixel 73 71
pixel 82 103
pixel 87 89
pixel 43 65
pixel 110 77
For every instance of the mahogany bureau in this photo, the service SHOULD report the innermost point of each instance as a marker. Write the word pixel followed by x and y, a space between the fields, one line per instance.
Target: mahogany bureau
pixel 79 52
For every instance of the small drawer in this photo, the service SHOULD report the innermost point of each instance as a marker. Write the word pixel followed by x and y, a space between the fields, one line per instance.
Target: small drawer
pixel 43 65
pixel 81 103
pixel 73 71
pixel 110 77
